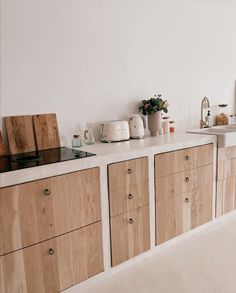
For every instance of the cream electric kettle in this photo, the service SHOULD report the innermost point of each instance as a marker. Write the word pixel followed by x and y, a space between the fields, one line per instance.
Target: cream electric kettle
pixel 137 125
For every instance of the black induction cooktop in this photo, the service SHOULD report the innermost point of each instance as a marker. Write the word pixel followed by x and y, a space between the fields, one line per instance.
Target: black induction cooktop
pixel 40 158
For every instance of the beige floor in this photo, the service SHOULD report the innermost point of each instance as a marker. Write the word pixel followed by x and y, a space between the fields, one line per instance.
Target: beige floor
pixel 204 263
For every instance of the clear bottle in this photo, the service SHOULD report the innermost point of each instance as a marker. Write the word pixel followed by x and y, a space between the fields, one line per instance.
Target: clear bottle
pixel 76 141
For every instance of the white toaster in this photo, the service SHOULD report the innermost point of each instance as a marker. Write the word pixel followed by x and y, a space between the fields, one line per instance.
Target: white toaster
pixel 113 131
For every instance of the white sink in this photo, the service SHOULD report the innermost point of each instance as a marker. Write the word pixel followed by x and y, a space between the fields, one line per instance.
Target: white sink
pixel 226 135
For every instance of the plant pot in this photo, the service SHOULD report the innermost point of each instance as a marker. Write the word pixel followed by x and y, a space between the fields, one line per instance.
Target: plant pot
pixel 154 123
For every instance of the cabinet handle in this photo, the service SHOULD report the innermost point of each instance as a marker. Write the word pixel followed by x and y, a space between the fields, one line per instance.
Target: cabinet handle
pixel 129 171
pixel 46 192
pixel 186 199
pixel 131 196
pixel 187 179
pixel 131 221
pixel 187 158
pixel 51 251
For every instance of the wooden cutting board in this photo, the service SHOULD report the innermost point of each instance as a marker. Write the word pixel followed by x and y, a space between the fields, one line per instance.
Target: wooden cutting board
pixel 20 134
pixel 46 131
pixel 3 149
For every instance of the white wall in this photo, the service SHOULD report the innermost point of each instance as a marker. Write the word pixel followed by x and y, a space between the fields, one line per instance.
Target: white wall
pixel 93 60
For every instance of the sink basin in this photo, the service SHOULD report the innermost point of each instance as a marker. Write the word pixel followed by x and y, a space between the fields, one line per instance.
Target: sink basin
pixel 226 135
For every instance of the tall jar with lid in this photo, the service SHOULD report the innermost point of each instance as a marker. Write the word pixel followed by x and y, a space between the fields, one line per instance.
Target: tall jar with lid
pixel 166 124
pixel 222 117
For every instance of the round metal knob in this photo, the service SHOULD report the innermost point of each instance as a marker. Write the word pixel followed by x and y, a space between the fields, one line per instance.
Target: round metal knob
pixel 131 221
pixel 187 179
pixel 187 158
pixel 131 196
pixel 51 251
pixel 186 199
pixel 129 171
pixel 46 192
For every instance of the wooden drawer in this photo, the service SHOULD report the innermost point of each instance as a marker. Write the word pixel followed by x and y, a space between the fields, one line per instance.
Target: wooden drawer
pixel 129 198
pixel 54 265
pixel 181 213
pixel 130 234
pixel 226 169
pixel 183 182
pixel 186 159
pixel 127 173
pixel 36 211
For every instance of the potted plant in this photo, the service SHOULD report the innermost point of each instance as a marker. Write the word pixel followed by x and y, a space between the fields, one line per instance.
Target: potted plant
pixel 153 107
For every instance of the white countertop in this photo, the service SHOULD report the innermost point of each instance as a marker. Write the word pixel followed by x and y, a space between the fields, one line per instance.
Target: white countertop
pixel 108 153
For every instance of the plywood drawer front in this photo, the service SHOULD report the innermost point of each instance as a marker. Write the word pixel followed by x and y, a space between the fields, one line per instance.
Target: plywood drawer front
pixel 129 198
pixel 181 213
pixel 39 210
pixel 183 182
pixel 54 265
pixel 127 173
pixel 130 234
pixel 186 159
pixel 226 169
pixel 226 153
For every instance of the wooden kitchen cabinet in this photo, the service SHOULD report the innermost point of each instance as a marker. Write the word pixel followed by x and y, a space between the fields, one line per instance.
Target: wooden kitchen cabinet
pixel 183 212
pixel 129 209
pixel 226 181
pixel 39 210
pixel 184 193
pixel 130 234
pixel 53 265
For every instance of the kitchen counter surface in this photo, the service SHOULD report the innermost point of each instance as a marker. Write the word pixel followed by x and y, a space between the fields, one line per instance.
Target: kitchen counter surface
pixel 109 153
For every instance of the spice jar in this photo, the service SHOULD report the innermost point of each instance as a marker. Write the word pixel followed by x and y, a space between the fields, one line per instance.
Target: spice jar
pixel 172 126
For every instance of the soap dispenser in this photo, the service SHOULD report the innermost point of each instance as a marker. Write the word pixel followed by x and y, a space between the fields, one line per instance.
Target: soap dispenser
pixel 209 120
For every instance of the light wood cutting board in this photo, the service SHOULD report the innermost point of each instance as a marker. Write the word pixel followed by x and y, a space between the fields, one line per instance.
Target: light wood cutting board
pixel 46 131
pixel 20 134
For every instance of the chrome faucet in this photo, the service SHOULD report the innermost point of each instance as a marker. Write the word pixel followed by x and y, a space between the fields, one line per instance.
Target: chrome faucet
pixel 204 105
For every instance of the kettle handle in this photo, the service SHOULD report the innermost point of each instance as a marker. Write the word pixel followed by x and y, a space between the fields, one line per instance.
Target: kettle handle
pixel 144 121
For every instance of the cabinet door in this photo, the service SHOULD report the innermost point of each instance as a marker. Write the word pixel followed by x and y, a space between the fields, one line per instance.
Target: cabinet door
pixel 130 234
pixel 183 182
pixel 181 160
pixel 226 181
pixel 54 265
pixel 226 196
pixel 127 173
pixel 129 198
pixel 180 213
pixel 36 211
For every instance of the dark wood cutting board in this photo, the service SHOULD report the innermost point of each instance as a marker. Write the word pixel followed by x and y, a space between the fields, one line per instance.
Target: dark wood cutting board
pixel 46 131
pixel 20 134
pixel 3 149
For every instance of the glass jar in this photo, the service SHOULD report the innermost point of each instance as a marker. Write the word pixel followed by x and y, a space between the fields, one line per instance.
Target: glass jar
pixel 166 124
pixel 76 141
pixel 222 117
pixel 172 126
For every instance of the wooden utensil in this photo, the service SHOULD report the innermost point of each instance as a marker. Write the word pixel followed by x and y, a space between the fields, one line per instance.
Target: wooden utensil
pixel 46 131
pixel 20 134
pixel 3 149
